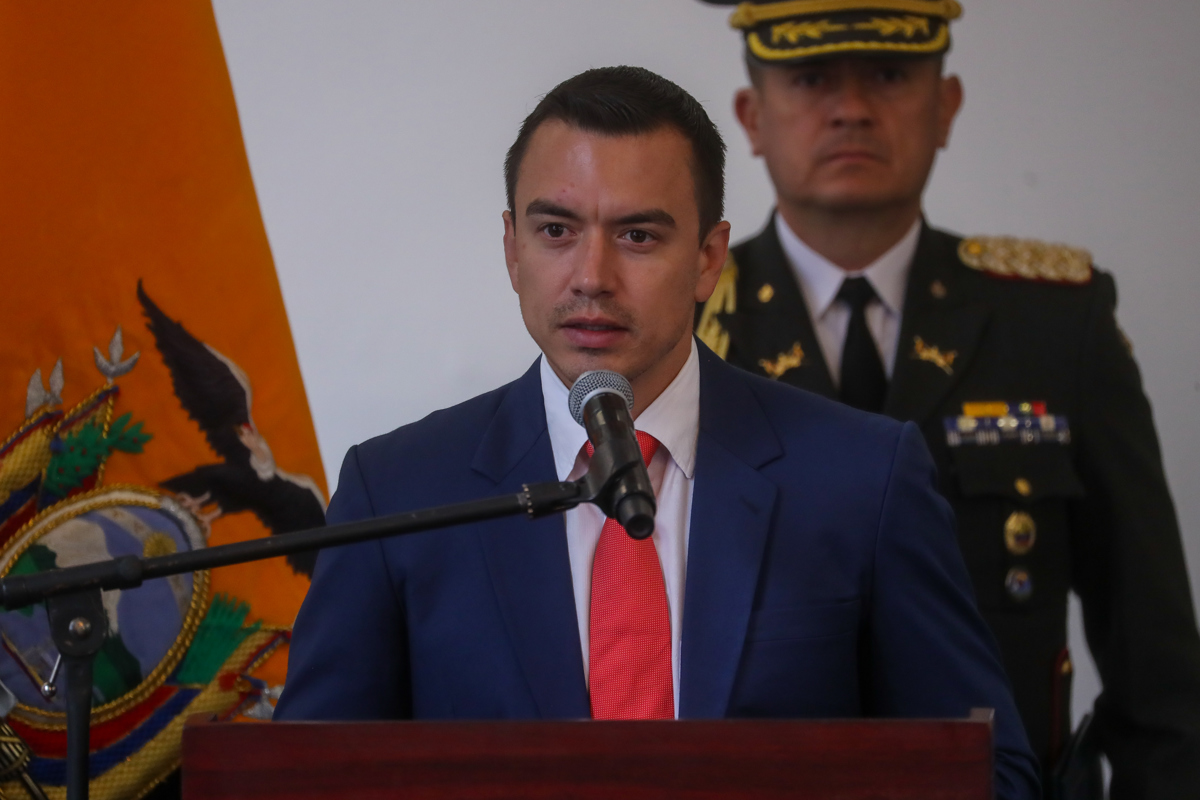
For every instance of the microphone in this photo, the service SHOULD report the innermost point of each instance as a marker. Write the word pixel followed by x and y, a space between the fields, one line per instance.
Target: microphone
pixel 602 402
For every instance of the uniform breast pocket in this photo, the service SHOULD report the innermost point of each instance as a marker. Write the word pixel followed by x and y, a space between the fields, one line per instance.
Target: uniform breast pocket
pixel 1012 509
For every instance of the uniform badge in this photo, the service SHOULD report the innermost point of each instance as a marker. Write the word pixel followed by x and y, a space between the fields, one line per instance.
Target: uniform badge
pixel 783 362
pixel 1019 584
pixel 1020 533
pixel 995 422
pixel 932 354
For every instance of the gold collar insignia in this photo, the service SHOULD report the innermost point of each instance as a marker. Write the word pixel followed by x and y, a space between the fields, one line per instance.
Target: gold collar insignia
pixel 934 355
pixel 783 362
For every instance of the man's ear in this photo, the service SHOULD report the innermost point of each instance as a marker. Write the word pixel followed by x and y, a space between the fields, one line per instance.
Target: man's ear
pixel 712 260
pixel 949 103
pixel 510 251
pixel 746 105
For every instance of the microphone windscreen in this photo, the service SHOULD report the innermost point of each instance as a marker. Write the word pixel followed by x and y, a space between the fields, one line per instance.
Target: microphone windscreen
pixel 592 383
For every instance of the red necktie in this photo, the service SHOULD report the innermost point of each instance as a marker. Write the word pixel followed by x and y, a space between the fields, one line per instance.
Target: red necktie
pixel 629 656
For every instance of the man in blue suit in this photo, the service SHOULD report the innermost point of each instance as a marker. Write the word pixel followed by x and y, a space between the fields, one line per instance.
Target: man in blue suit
pixel 803 564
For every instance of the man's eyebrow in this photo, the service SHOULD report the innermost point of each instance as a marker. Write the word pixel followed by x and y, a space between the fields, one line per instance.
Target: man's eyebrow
pixel 654 216
pixel 549 209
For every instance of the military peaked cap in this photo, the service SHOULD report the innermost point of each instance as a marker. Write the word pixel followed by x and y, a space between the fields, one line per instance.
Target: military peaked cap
pixel 790 31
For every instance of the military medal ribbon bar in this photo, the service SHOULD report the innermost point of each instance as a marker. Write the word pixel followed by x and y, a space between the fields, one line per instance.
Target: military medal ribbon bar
pixel 994 423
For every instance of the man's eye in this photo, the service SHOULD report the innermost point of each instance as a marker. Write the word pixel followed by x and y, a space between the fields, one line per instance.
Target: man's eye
pixel 638 237
pixel 809 80
pixel 554 230
pixel 891 75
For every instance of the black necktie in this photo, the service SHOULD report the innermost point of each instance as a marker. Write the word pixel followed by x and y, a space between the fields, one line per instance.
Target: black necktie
pixel 863 381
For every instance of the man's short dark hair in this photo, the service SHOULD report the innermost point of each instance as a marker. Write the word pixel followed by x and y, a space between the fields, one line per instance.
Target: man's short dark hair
pixel 627 101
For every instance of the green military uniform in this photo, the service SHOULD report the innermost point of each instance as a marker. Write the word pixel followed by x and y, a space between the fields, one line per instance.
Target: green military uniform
pixel 1066 492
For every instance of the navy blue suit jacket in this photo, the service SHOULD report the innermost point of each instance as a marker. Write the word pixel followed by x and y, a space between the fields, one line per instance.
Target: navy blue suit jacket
pixel 823 576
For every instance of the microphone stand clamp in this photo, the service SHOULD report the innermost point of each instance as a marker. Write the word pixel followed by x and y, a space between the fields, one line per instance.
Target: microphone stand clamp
pixel 78 626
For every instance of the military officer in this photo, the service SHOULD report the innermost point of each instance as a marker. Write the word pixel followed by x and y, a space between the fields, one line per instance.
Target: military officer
pixel 1005 351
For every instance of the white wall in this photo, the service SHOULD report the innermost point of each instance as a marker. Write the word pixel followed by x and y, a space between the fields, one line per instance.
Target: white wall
pixel 376 131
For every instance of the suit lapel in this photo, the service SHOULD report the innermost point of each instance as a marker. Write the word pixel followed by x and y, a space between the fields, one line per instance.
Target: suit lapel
pixel 939 335
pixel 773 327
pixel 732 505
pixel 528 561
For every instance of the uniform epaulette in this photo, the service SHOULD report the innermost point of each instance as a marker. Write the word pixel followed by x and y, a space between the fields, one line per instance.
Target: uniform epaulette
pixel 1027 259
pixel 723 301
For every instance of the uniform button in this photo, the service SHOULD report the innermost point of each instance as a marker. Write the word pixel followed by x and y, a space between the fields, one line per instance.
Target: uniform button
pixel 1023 487
pixel 1019 584
pixel 938 290
pixel 1020 533
pixel 765 293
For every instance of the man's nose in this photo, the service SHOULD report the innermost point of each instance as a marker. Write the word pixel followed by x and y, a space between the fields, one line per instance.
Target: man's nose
pixel 595 270
pixel 852 104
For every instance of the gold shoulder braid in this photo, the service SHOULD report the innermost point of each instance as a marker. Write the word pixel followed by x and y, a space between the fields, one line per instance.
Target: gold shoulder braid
pixel 1026 258
pixel 723 301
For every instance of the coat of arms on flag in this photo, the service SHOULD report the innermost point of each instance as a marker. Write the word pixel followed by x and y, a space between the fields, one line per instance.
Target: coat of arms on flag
pixel 151 400
pixel 174 647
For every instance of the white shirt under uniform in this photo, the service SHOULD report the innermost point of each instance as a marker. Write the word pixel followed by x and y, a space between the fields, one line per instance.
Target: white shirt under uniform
pixel 820 279
pixel 674 420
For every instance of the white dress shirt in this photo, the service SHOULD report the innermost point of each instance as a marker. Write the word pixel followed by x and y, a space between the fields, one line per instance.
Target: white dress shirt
pixel 820 279
pixel 674 420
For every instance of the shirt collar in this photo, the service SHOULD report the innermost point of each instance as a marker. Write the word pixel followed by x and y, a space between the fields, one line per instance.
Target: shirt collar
pixel 673 418
pixel 820 279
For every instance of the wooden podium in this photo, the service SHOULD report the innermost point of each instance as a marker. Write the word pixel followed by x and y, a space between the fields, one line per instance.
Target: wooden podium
pixel 819 760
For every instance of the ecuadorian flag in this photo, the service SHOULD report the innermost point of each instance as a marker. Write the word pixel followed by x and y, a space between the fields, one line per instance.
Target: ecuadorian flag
pixel 150 395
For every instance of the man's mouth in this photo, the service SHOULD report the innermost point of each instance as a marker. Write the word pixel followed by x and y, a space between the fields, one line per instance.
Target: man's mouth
pixel 593 333
pixel 851 154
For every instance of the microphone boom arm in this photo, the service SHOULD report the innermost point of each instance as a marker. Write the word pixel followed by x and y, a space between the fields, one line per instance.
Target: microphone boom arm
pixel 128 572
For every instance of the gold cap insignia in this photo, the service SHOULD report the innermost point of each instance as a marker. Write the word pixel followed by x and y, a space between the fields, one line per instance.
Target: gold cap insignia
pixel 783 362
pixel 788 31
pixel 1028 259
